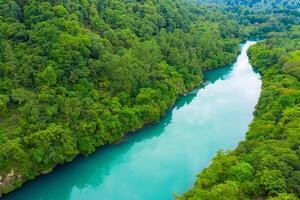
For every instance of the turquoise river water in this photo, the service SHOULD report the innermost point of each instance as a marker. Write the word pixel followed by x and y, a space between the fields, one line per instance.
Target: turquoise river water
pixel 164 158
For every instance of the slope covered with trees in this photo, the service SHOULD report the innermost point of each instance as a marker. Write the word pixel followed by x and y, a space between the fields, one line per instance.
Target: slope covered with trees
pixel 286 4
pixel 76 75
pixel 259 18
pixel 267 164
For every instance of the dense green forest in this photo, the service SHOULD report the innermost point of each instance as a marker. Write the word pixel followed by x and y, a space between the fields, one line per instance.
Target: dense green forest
pixel 76 75
pixel 258 18
pixel 267 163
pixel 257 4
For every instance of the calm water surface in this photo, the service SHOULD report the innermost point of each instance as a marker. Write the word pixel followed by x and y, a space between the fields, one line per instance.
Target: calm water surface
pixel 164 158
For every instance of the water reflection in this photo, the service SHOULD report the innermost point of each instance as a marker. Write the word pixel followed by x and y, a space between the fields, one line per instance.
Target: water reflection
pixel 80 173
pixel 163 158
pixel 218 74
pixel 211 77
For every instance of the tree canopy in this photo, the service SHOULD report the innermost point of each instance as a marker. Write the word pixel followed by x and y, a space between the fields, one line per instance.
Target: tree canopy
pixel 76 75
pixel 266 165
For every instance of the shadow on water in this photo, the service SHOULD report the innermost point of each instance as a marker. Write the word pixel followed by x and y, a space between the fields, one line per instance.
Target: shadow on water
pixel 98 164
pixel 69 175
pixel 256 71
pixel 211 76
pixel 221 73
pixel 64 178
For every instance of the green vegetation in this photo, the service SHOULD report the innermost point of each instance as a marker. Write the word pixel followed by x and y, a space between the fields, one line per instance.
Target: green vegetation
pixel 257 4
pixel 76 75
pixel 267 164
pixel 258 18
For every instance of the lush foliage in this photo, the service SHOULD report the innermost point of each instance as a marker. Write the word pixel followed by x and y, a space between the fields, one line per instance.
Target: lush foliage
pixel 267 163
pixel 260 18
pixel 256 3
pixel 75 75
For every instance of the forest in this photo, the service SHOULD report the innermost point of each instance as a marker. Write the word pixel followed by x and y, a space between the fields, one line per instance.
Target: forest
pixel 267 164
pixel 257 4
pixel 77 75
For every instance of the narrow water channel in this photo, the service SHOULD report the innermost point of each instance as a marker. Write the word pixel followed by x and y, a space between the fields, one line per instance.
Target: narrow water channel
pixel 164 158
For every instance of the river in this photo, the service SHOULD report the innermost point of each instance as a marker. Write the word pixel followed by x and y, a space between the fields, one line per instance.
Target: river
pixel 164 158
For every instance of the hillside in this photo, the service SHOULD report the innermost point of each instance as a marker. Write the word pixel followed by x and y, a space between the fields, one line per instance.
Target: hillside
pixel 266 165
pixel 76 75
pixel 267 4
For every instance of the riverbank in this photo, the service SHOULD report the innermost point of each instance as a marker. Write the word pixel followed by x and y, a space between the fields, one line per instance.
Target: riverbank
pixel 266 164
pixel 13 179
pixel 163 157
